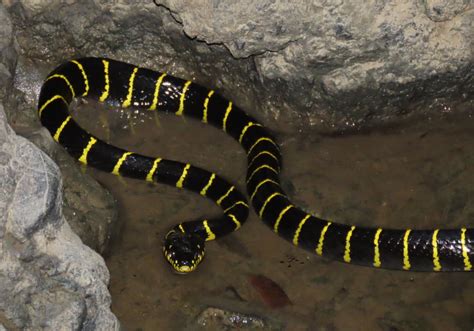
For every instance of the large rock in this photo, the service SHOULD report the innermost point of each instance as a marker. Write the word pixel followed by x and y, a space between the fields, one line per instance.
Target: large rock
pixel 48 278
pixel 346 63
pixel 334 65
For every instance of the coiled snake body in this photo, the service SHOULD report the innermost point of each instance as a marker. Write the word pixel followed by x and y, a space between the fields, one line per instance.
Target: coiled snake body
pixel 127 85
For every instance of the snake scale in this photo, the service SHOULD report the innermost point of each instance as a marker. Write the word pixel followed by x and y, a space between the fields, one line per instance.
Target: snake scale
pixel 126 85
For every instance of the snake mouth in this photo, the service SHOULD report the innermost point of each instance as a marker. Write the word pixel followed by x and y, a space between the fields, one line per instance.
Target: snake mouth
pixel 182 267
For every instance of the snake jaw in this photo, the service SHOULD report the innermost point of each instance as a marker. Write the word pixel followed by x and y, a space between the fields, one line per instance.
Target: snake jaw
pixel 184 251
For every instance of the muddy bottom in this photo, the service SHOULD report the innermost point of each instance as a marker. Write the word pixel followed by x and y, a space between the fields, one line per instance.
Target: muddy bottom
pixel 419 176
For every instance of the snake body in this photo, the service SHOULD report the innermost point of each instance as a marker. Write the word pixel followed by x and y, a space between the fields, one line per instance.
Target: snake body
pixel 126 85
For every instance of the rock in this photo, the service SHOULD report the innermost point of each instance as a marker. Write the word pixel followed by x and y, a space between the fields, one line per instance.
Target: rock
pixel 345 63
pixel 8 54
pixel 334 65
pixel 89 208
pixel 48 278
pixel 218 319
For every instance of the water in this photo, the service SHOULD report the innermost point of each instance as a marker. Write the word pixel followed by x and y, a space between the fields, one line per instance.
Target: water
pixel 418 175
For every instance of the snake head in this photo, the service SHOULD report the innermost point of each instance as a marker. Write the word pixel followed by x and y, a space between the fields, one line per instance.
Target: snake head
pixel 184 251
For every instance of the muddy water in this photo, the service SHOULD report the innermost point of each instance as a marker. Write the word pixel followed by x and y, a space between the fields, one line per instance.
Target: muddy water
pixel 419 175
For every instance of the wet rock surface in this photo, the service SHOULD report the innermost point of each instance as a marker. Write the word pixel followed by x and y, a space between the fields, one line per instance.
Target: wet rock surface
pixel 418 175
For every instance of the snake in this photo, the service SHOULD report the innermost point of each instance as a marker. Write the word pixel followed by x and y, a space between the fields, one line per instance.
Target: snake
pixel 125 85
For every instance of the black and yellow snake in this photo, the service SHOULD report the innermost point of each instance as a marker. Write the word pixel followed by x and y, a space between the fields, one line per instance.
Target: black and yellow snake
pixel 127 85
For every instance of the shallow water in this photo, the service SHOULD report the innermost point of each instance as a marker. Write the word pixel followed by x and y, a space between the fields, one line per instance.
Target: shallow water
pixel 419 175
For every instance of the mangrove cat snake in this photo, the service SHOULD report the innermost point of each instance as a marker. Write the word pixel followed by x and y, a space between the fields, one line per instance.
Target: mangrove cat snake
pixel 125 85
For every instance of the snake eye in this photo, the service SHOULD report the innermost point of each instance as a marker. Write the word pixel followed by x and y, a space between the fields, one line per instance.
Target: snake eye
pixel 184 251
